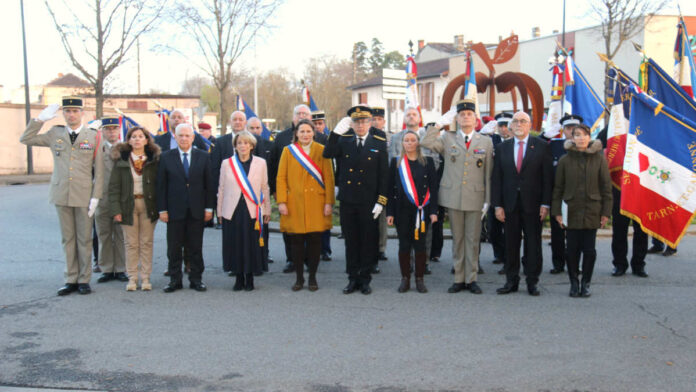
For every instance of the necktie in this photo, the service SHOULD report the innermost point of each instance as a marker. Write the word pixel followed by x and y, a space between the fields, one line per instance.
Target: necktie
pixel 73 136
pixel 520 156
pixel 186 164
pixel 360 144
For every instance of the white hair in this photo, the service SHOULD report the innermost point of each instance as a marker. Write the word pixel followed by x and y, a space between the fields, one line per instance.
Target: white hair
pixel 298 107
pixel 181 127
pixel 238 111
pixel 177 111
pixel 254 119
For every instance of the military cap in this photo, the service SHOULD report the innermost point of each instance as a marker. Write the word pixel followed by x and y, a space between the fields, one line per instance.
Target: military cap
pixel 504 117
pixel 204 125
pixel 359 111
pixel 72 102
pixel 109 121
pixel 466 104
pixel 571 119
pixel 377 111
pixel 318 115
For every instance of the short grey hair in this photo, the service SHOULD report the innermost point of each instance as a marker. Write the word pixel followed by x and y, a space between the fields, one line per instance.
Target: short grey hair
pixel 238 111
pixel 177 111
pixel 181 127
pixel 254 119
pixel 298 107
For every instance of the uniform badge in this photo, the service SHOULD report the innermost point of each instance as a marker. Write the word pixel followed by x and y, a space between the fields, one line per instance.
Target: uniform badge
pixel 85 145
pixel 453 151
pixel 479 163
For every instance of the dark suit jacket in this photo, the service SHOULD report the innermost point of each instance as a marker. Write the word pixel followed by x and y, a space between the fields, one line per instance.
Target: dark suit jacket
pixel 534 182
pixel 164 140
pixel 176 193
pixel 428 180
pixel 362 176
pixel 282 140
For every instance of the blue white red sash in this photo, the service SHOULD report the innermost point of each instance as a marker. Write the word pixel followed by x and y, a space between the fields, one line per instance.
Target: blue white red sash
pixel 307 163
pixel 412 193
pixel 248 192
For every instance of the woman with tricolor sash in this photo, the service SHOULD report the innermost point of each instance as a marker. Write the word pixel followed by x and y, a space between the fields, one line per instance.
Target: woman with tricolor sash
pixel 244 205
pixel 412 206
pixel 305 196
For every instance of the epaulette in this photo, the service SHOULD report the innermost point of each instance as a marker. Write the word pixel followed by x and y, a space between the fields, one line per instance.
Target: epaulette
pixel 347 135
pixel 379 138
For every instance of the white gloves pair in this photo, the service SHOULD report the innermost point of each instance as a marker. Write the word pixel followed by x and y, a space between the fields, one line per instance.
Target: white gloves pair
pixel 343 126
pixel 484 210
pixel 92 207
pixel 447 118
pixel 49 112
pixel 377 210
pixel 489 128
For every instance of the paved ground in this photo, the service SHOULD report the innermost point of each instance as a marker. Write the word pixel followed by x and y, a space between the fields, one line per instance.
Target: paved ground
pixel 632 335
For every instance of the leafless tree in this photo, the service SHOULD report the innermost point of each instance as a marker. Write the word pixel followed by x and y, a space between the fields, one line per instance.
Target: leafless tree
pixel 620 21
pixel 222 30
pixel 97 34
pixel 327 79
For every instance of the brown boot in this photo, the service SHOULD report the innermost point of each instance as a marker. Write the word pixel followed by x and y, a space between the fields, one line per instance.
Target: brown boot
pixel 405 284
pixel 405 266
pixel 420 271
pixel 312 285
pixel 420 286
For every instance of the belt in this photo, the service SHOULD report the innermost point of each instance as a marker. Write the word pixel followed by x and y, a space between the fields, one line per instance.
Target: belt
pixel 138 196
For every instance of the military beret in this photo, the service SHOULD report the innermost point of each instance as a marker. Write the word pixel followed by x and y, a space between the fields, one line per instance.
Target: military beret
pixel 72 102
pixel 504 117
pixel 359 111
pixel 466 104
pixel 318 115
pixel 378 111
pixel 571 119
pixel 109 121
pixel 203 125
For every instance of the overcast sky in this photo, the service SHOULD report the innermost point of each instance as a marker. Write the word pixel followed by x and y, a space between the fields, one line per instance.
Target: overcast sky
pixel 303 29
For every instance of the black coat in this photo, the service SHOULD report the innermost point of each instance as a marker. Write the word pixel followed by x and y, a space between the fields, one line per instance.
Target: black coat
pixel 164 140
pixel 176 193
pixel 282 140
pixel 361 176
pixel 534 182
pixel 424 178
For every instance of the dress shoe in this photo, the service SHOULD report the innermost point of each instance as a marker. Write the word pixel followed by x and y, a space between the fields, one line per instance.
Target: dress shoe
pixel 427 270
pixel 640 272
pixel 456 287
pixel 166 273
pixel 289 267
pixel 585 289
pixel 96 268
pixel 669 252
pixel 574 288
pixel 435 259
pixel 312 285
pixel 474 288
pixel 405 285
pixel 375 269
pixel 325 257
pixel 198 286
pixel 365 289
pixel 420 286
pixel 83 288
pixel 105 277
pixel 121 277
pixel 382 257
pixel 533 290
pixel 270 260
pixel 350 288
pixel 508 288
pixel 556 271
pixel 67 289
pixel 172 287
pixel 501 271
pixel 655 249
pixel 618 272
pixel 497 261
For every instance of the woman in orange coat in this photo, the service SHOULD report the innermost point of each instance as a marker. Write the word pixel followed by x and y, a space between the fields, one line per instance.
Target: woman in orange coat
pixel 305 196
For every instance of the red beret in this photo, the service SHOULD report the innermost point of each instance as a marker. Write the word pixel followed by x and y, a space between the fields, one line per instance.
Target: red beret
pixel 487 119
pixel 202 125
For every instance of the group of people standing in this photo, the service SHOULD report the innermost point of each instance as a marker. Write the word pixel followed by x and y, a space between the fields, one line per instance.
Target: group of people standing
pixel 510 180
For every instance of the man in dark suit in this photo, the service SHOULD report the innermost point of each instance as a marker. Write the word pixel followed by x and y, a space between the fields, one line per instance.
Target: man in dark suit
pixel 167 141
pixel 361 158
pixel 496 235
pixel 185 200
pixel 282 140
pixel 521 195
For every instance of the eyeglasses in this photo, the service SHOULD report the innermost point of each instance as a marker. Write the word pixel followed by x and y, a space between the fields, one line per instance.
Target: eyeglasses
pixel 523 121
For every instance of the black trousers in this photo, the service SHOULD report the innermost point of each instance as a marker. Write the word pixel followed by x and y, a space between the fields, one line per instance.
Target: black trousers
pixel 288 248
pixel 326 242
pixel 405 222
pixel 361 238
pixel 619 238
pixel 558 245
pixel 496 235
pixel 518 222
pixel 187 234
pixel 581 241
pixel 305 246
pixel 95 242
pixel 438 239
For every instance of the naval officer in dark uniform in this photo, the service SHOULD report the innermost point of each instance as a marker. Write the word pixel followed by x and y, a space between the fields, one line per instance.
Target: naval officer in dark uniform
pixel 361 158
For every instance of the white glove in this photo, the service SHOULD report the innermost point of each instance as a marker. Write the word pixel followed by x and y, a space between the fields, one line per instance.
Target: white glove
pixel 447 118
pixel 343 126
pixel 377 210
pixel 484 210
pixel 92 206
pixel 335 191
pixel 489 128
pixel 49 112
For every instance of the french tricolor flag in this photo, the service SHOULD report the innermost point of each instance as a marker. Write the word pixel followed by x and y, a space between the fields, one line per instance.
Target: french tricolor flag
pixel 659 183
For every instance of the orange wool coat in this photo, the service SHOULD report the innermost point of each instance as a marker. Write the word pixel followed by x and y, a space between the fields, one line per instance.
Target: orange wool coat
pixel 303 195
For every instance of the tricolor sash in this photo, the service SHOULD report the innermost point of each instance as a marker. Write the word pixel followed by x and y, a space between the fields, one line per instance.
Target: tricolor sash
pixel 307 163
pixel 248 192
pixel 410 189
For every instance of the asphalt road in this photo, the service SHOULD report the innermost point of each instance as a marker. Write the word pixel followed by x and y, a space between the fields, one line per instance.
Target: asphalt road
pixel 633 334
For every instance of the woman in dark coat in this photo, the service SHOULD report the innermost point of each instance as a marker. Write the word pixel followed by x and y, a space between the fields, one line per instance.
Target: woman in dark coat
pixel 412 211
pixel 132 201
pixel 584 185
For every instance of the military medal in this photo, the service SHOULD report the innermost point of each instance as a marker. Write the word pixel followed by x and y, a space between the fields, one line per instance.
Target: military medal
pixel 479 163
pixel 453 153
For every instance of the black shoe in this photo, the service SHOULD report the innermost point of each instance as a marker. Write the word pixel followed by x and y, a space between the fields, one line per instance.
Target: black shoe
pixel 669 252
pixel 121 277
pixel 249 283
pixel 435 259
pixel 218 226
pixel 198 286
pixel 452 271
pixel 382 257
pixel 270 260
pixel 405 284
pixel 618 272
pixel 166 273
pixel 231 273
pixel 585 290
pixel 556 271
pixel 501 271
pixel 481 271
pixel 497 261
pixel 508 288
pixel 67 289
pixel 96 268
pixel 325 257
pixel 83 288
pixel 474 288
pixel 655 249
pixel 640 272
pixel 574 288
pixel 375 269
pixel 289 267
pixel 427 270
pixel 340 236
pixel 533 290
pixel 365 289
pixel 352 286
pixel 172 287
pixel 107 276
pixel 456 287
pixel 239 283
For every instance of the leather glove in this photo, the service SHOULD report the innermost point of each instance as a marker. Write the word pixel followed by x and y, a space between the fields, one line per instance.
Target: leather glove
pixel 484 211
pixel 343 126
pixel 447 118
pixel 92 207
pixel 49 112
pixel 377 210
